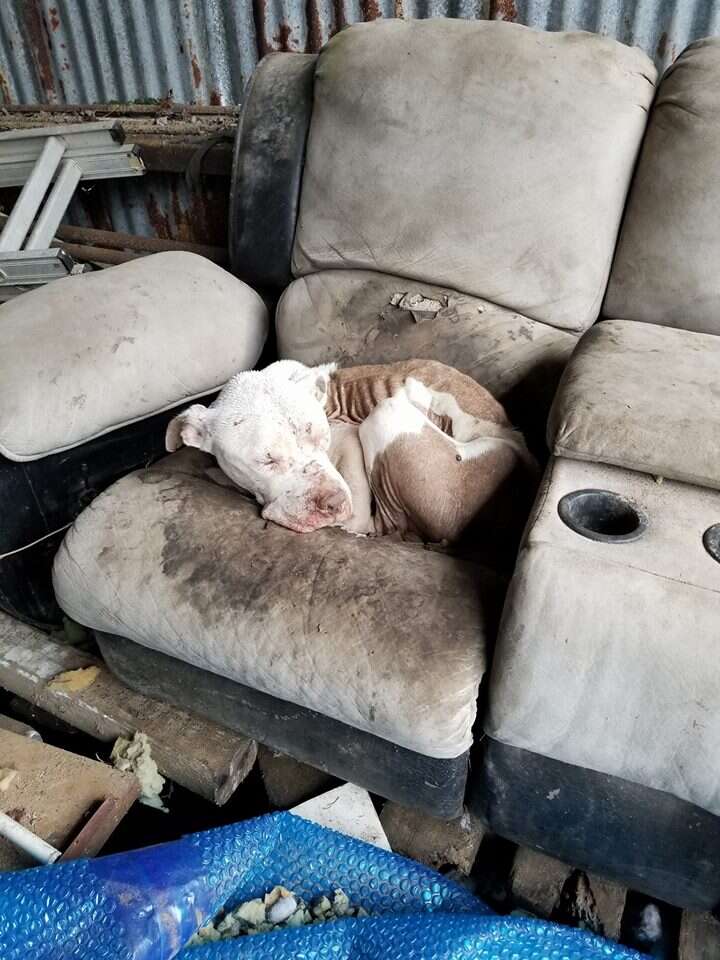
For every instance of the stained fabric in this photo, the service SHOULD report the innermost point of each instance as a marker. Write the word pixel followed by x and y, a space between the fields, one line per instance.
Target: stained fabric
pixel 485 156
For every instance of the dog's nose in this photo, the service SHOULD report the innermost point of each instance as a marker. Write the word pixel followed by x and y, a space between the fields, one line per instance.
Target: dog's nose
pixel 332 502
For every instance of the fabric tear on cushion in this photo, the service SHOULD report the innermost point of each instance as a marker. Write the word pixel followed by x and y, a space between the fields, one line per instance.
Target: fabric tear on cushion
pixel 349 316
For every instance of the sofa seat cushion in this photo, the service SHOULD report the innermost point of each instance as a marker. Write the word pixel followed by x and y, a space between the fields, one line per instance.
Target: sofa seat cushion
pixel 87 354
pixel 666 266
pixel 485 156
pixel 349 316
pixel 607 655
pixel 644 397
pixel 387 637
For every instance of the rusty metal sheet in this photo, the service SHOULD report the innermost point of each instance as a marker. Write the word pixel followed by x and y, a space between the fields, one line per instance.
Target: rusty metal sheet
pixel 662 28
pixel 94 51
pixel 90 51
pixel 204 51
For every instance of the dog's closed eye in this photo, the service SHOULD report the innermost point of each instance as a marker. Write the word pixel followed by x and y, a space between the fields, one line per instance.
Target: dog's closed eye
pixel 274 461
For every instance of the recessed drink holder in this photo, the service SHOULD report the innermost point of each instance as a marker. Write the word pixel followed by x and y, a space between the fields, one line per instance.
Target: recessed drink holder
pixel 604 516
pixel 711 541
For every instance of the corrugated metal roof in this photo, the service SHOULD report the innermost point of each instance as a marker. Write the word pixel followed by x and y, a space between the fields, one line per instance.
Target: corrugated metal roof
pixel 90 51
pixel 204 51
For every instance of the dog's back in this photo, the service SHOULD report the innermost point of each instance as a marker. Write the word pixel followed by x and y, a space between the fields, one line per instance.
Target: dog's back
pixel 354 392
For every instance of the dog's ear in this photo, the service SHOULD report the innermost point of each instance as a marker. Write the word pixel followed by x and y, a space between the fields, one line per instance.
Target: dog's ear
pixel 315 379
pixel 191 428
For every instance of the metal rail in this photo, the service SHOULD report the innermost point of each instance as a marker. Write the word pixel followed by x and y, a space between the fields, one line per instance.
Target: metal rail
pixel 62 156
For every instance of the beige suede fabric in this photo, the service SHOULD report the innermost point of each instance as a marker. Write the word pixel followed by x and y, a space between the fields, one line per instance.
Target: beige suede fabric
pixel 644 397
pixel 348 316
pixel 480 155
pixel 666 266
pixel 607 654
pixel 385 636
pixel 86 354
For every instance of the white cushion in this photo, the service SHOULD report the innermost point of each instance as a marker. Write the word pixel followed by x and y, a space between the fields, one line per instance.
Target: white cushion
pixel 385 636
pixel 607 655
pixel 484 156
pixel 666 267
pixel 87 354
pixel 644 397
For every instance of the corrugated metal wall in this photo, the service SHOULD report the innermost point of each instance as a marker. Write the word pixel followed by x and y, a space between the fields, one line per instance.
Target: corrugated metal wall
pixel 204 51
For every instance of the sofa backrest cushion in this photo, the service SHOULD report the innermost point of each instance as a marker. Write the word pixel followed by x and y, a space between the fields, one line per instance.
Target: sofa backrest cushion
pixel 483 156
pixel 666 267
pixel 86 354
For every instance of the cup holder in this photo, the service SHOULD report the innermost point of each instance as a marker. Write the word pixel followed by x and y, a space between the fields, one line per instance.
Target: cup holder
pixel 602 515
pixel 711 541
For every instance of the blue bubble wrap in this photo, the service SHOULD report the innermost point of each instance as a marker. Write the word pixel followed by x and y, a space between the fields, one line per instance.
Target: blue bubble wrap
pixel 146 904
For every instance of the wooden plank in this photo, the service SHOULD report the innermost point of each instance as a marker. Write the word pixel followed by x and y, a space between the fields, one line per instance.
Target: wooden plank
pixel 554 890
pixel 289 782
pixel 54 790
pixel 699 937
pixel 203 756
pixel 435 842
pixel 537 882
pixel 594 904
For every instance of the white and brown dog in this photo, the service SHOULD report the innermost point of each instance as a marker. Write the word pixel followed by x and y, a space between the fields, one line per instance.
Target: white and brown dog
pixel 415 447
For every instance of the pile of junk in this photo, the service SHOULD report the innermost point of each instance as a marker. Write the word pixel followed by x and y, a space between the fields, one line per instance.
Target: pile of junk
pixel 526 716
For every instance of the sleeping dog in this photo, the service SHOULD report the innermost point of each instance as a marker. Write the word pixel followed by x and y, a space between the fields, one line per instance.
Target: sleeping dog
pixel 414 447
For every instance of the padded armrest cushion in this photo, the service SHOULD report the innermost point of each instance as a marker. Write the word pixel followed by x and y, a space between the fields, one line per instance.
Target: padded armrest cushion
pixel 87 354
pixel 643 397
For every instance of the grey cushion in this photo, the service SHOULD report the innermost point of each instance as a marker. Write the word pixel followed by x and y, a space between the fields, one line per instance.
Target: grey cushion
pixel 643 397
pixel 607 655
pixel 484 156
pixel 385 636
pixel 86 354
pixel 666 267
pixel 347 315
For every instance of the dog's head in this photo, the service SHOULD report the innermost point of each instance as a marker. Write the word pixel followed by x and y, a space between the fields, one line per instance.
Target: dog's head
pixel 270 435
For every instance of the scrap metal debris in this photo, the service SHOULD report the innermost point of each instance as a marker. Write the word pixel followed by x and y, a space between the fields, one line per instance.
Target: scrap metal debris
pixel 134 756
pixel 420 306
pixel 277 910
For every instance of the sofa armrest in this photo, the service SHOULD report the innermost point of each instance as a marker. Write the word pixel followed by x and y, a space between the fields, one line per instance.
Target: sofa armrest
pixel 267 168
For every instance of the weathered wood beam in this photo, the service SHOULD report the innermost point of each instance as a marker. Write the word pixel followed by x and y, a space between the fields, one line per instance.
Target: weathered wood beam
pixel 201 755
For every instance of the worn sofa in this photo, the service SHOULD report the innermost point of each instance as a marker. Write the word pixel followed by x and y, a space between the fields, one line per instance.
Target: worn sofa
pixel 455 190
pixel 603 728
pixel 93 368
pixel 443 189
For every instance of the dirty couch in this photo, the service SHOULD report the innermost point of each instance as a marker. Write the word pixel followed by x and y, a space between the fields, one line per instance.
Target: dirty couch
pixel 455 190
pixel 93 368
pixel 603 728
pixel 440 188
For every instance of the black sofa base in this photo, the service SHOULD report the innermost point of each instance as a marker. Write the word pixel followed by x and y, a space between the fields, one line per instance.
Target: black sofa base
pixel 435 786
pixel 41 496
pixel 643 838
